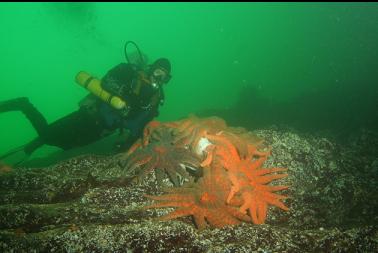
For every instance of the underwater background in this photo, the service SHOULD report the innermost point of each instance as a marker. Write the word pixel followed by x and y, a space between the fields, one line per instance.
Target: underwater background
pixel 310 67
pixel 295 169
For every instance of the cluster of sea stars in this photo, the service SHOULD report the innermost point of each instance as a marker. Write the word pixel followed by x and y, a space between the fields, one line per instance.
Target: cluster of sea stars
pixel 234 186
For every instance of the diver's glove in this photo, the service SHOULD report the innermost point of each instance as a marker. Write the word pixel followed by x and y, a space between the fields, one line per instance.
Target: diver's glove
pixel 146 107
pixel 120 143
pixel 125 111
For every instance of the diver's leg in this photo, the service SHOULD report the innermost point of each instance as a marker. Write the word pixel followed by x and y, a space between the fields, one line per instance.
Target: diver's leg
pixel 32 114
pixel 76 129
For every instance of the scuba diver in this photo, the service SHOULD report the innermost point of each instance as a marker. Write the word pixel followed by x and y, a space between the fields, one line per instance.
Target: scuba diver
pixel 127 97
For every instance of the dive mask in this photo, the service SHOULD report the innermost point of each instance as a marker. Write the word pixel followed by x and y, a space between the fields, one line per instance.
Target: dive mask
pixel 160 76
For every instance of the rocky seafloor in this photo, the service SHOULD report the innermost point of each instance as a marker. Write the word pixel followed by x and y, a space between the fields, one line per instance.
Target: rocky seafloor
pixel 84 205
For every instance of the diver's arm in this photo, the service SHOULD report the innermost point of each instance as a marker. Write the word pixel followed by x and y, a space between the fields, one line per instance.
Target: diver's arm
pixel 118 78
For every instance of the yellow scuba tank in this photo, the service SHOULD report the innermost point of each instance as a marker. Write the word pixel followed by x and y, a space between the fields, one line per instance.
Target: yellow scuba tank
pixel 94 86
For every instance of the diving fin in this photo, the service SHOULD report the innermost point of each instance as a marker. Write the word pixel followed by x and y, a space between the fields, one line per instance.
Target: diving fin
pixel 27 149
pixel 13 151
pixel 15 161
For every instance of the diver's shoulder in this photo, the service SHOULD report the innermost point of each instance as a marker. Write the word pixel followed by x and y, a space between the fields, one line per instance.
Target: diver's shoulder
pixel 127 66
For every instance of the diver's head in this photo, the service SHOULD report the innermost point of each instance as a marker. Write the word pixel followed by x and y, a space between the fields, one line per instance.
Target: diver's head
pixel 160 72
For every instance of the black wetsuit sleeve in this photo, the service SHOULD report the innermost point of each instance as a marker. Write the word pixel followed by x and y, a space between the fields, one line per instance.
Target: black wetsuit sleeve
pixel 118 80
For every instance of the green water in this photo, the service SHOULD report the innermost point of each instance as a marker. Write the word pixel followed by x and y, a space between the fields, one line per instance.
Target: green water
pixel 218 50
